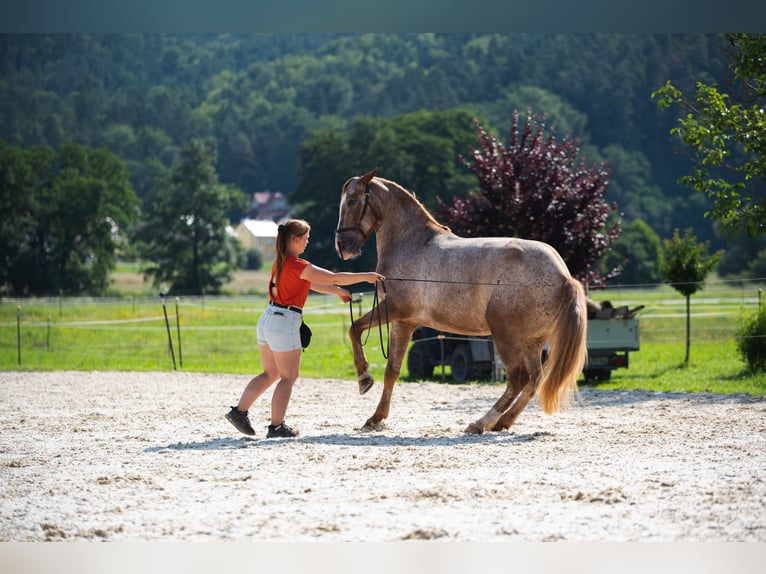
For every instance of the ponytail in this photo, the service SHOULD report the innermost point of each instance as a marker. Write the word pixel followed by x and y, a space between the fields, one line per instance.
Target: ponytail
pixel 286 231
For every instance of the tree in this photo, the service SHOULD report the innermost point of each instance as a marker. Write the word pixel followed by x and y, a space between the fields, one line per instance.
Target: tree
pixel 685 266
pixel 184 236
pixel 19 190
pixel 742 257
pixel 639 250
pixel 535 189
pixel 751 339
pixel 725 136
pixel 63 211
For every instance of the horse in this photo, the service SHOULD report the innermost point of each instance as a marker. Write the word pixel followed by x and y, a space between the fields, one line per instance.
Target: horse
pixel 517 290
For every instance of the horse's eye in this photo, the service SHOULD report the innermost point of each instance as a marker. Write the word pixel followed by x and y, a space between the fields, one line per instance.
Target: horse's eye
pixel 351 202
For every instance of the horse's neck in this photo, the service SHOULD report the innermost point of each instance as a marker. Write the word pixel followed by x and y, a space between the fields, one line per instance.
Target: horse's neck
pixel 406 223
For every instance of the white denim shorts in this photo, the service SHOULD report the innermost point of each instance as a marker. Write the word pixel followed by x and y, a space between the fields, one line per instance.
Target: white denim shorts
pixel 279 329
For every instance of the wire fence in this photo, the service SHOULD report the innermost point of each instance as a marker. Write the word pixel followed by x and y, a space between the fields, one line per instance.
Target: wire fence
pixel 157 333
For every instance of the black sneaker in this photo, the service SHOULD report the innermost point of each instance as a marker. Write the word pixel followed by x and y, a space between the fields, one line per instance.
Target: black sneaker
pixel 240 420
pixel 281 431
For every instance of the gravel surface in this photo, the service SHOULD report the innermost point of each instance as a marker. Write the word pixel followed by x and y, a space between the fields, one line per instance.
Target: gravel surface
pixel 149 456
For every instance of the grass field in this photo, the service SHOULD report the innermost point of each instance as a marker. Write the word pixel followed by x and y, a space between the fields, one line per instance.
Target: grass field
pixel 217 334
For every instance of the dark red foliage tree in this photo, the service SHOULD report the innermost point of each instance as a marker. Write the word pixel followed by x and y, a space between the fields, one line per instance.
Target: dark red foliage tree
pixel 536 189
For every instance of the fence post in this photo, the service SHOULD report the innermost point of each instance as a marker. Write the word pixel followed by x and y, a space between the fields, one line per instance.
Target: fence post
pixel 440 336
pixel 497 365
pixel 178 330
pixel 18 333
pixel 167 326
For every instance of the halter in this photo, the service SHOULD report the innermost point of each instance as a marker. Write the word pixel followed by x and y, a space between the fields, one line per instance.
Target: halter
pixel 358 227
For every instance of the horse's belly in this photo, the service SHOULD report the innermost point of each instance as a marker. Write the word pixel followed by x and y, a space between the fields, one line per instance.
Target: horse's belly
pixel 455 315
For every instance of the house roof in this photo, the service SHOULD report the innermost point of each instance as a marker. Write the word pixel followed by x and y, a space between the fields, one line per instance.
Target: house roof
pixel 260 227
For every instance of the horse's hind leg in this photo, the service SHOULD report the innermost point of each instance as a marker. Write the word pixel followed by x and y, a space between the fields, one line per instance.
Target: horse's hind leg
pixel 400 338
pixel 522 400
pixel 514 399
pixel 489 420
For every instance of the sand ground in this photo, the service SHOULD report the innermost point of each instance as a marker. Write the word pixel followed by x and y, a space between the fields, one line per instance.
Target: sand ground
pixel 149 457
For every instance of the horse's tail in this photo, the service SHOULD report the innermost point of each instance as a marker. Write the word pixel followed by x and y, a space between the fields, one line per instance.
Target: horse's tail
pixel 567 350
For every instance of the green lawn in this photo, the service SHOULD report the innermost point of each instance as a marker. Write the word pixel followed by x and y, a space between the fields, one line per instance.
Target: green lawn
pixel 217 334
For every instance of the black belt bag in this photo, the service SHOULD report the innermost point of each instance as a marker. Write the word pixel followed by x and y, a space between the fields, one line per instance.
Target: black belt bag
pixel 305 335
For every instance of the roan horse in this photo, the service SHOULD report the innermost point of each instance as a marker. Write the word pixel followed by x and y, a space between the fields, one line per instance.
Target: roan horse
pixel 517 290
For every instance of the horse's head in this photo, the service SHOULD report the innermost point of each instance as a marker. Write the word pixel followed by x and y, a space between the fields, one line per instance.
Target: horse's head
pixel 357 217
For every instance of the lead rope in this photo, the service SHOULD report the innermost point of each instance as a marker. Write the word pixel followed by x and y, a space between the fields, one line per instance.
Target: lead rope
pixel 375 306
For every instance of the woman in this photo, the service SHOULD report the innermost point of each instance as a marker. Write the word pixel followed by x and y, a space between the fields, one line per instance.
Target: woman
pixel 279 326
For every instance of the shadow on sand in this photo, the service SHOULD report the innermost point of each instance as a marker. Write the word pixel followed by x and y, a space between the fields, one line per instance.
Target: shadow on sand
pixel 356 439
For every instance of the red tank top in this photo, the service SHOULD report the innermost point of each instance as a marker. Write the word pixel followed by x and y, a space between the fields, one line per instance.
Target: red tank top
pixel 291 290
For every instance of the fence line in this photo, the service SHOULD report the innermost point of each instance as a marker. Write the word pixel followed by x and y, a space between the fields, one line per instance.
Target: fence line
pixel 720 301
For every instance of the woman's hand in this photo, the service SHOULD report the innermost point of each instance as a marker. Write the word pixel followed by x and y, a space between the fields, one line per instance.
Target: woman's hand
pixel 344 295
pixel 373 277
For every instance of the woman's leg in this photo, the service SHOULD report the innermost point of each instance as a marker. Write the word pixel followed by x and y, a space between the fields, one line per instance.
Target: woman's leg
pixel 288 365
pixel 258 384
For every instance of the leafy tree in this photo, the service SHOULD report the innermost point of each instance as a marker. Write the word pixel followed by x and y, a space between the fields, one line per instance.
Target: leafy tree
pixel 559 112
pixel 535 189
pixel 326 162
pixel 742 257
pixel 184 236
pixel 685 266
pixel 639 250
pixel 630 187
pixel 62 212
pixel 20 187
pixel 725 135
pixel 751 339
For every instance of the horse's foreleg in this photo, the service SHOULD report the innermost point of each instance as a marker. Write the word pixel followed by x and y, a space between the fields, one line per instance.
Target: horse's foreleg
pixel 364 379
pixel 400 338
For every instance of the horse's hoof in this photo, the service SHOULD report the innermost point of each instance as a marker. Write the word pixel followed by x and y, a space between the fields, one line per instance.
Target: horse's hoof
pixel 373 425
pixel 473 428
pixel 365 383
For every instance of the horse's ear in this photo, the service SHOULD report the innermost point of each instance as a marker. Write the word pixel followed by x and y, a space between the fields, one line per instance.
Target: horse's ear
pixel 367 177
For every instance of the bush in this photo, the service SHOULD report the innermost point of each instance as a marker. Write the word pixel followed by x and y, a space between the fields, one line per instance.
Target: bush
pixel 253 260
pixel 751 340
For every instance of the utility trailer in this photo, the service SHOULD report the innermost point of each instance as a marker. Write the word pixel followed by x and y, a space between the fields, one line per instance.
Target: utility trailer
pixel 611 336
pixel 609 343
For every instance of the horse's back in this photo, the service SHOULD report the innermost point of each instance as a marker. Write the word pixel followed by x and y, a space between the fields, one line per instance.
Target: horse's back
pixel 490 258
pixel 459 284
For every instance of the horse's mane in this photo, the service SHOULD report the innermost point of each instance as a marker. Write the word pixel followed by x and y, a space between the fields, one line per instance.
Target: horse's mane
pixel 407 193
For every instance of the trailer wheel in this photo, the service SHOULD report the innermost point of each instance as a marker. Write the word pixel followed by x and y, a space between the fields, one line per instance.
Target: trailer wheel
pixel 418 365
pixel 595 375
pixel 461 364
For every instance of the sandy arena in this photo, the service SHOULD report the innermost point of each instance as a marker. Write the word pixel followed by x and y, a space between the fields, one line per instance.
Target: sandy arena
pixel 150 457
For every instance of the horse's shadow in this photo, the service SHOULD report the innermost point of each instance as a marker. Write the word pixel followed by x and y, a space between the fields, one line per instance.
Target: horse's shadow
pixel 357 439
